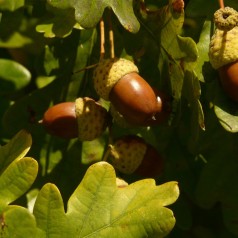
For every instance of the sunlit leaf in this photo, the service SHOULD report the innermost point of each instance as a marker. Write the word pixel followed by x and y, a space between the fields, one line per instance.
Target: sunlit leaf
pixel 16 148
pixel 92 151
pixel 49 212
pixel 17 221
pixel 11 5
pixel 13 76
pixel 97 208
pixel 17 179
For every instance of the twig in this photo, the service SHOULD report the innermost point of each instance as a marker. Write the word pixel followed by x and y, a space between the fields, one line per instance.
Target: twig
pixel 102 38
pixel 111 37
pixel 85 68
pixel 221 3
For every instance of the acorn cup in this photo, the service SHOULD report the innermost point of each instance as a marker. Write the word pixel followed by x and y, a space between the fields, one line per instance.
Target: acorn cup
pixel 118 81
pixel 131 154
pixel 223 50
pixel 84 119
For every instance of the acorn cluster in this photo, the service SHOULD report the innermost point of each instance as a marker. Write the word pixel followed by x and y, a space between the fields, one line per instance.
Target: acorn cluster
pixel 133 103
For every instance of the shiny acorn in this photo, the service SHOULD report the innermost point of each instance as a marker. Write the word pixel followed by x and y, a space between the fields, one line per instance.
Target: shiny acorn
pixel 118 81
pixel 84 119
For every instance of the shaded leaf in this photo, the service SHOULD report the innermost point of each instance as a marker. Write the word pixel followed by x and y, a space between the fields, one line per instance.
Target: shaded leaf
pixel 88 13
pixel 169 32
pixel 10 34
pixel 97 208
pixel 16 148
pixel 92 151
pixel 18 222
pixel 203 48
pixel 225 110
pixel 188 47
pixel 194 8
pixel 13 75
pixel 217 174
pixel 17 179
pixel 11 5
pixel 60 25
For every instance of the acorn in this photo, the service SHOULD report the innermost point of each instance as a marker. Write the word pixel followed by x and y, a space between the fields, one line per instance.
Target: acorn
pixel 223 50
pixel 161 116
pixel 84 119
pixel 131 154
pixel 118 81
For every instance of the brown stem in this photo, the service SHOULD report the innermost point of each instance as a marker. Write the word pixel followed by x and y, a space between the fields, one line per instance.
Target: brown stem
pixel 221 3
pixel 107 154
pixel 102 38
pixel 111 37
pixel 85 68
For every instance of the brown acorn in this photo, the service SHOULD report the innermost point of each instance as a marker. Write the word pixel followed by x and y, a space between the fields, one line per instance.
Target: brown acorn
pixel 84 119
pixel 118 80
pixel 161 116
pixel 223 51
pixel 131 154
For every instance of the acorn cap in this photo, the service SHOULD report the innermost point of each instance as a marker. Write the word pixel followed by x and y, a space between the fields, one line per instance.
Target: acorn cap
pixel 224 43
pixel 92 118
pixel 126 154
pixel 108 72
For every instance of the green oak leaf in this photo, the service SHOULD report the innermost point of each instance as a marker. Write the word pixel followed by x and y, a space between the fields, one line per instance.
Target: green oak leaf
pixel 15 149
pixel 167 26
pixel 92 151
pixel 13 76
pixel 60 25
pixel 18 222
pixel 225 109
pixel 11 5
pixel 217 176
pixel 97 208
pixel 89 13
pixel 203 48
pixel 16 179
pixel 203 8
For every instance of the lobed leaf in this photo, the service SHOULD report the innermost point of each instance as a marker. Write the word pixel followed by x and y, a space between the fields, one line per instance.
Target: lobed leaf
pixel 18 222
pixel 97 208
pixel 89 13
pixel 49 212
pixel 17 179
pixel 225 110
pixel 11 5
pixel 203 48
pixel 13 75
pixel 15 149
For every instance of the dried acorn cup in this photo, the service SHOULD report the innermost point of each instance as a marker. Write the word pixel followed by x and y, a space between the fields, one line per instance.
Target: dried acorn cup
pixel 84 119
pixel 131 154
pixel 223 51
pixel 118 81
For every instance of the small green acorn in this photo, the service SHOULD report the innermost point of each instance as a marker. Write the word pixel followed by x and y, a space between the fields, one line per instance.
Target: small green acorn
pixel 84 119
pixel 118 81
pixel 223 50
